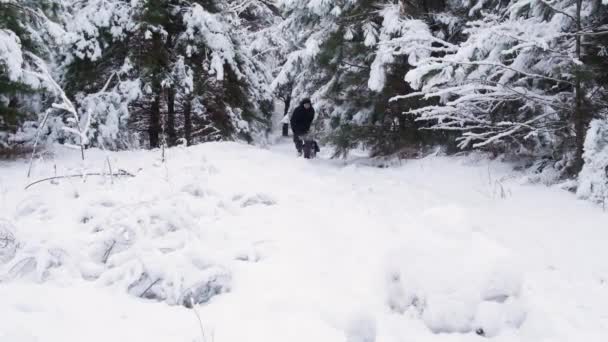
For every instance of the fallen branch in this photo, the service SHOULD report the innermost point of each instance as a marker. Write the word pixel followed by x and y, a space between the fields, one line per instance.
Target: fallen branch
pixel 149 287
pixel 106 255
pixel 118 174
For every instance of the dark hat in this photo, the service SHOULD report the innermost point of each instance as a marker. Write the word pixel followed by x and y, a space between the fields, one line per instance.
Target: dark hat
pixel 306 100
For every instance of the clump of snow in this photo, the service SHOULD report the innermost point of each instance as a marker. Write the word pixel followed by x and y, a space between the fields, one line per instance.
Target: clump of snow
pixel 86 25
pixel 11 56
pixel 396 36
pixel 593 178
pixel 209 29
pixel 448 280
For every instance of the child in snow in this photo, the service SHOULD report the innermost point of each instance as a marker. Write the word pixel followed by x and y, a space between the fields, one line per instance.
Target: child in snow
pixel 301 120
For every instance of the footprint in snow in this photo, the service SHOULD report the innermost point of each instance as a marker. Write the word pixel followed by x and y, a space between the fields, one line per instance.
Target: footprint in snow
pixel 195 190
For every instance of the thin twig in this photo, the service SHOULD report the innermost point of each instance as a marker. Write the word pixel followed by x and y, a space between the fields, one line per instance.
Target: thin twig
pixel 118 174
pixel 106 255
pixel 110 169
pixel 546 3
pixel 46 116
pixel 200 321
pixel 355 65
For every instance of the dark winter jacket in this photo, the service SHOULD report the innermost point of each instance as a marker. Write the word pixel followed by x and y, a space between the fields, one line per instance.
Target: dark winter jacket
pixel 301 119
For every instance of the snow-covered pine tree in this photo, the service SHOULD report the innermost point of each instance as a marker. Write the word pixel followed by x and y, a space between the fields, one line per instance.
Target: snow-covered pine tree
pixel 25 36
pixel 97 71
pixel 231 98
pixel 515 78
pixel 170 70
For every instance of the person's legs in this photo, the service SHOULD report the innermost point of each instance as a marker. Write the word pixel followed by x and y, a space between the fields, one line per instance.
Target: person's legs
pixel 298 142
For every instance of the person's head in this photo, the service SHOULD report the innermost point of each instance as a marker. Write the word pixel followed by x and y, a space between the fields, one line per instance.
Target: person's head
pixel 306 103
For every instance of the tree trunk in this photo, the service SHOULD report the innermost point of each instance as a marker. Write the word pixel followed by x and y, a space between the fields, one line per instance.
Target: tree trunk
pixel 154 124
pixel 188 122
pixel 287 102
pixel 171 133
pixel 580 117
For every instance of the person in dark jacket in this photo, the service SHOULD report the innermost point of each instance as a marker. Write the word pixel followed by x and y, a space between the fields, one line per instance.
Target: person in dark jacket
pixel 301 119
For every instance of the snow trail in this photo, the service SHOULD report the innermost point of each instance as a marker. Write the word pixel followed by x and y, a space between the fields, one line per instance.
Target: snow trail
pixel 437 249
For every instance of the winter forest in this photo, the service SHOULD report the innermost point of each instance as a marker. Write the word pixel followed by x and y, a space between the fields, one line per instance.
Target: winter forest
pixel 145 135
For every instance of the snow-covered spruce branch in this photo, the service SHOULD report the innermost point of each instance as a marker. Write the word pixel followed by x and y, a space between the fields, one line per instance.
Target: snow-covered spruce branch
pixel 500 65
pixel 519 92
pixel 35 14
pixel 427 38
pixel 492 133
pixel 515 127
pixel 590 33
pixel 531 43
pixel 459 114
pixel 239 7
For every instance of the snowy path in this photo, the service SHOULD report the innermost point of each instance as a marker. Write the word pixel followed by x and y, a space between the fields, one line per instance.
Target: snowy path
pixel 433 250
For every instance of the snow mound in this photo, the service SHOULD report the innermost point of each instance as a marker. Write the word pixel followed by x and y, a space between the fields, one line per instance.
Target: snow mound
pixel 153 250
pixel 462 284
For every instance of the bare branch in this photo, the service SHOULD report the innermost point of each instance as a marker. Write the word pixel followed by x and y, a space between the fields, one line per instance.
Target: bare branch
pixel 558 10
pixel 118 174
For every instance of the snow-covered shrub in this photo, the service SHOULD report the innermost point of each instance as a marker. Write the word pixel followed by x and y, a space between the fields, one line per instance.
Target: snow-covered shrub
pixel 156 242
pixel 156 251
pixel 593 179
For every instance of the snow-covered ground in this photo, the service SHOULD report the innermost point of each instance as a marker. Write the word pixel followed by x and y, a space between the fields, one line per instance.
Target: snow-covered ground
pixel 277 249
